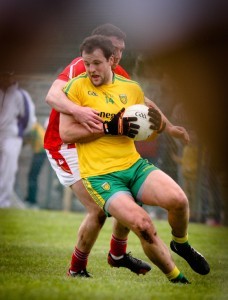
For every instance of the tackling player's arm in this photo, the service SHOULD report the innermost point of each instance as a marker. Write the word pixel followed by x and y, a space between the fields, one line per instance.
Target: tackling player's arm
pixel 57 99
pixel 178 132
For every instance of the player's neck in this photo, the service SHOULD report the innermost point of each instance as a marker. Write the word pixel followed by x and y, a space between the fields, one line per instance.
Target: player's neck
pixel 111 78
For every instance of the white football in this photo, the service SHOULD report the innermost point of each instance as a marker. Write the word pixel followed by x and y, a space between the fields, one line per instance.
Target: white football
pixel 141 112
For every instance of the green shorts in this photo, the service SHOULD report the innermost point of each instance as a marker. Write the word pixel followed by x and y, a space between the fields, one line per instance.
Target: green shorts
pixel 104 188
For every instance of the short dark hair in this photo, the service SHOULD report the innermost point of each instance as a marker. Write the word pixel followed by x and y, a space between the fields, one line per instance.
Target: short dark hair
pixel 109 30
pixel 94 42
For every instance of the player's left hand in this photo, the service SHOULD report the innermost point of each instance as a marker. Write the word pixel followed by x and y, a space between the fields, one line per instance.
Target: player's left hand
pixel 120 125
pixel 178 132
pixel 156 120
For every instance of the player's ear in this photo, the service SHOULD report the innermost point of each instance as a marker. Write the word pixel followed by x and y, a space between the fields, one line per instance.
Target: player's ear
pixel 111 60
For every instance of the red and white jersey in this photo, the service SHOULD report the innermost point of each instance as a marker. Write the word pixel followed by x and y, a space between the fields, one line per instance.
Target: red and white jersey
pixel 52 140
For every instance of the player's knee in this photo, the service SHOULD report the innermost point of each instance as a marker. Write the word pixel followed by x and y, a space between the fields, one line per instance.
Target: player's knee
pixel 180 201
pixel 101 219
pixel 145 229
pixel 97 216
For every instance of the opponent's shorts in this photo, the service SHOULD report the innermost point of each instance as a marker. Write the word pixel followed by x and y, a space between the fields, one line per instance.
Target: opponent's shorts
pixel 65 164
pixel 104 188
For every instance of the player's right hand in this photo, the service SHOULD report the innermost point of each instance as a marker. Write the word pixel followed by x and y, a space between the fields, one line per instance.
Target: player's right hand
pixel 157 123
pixel 120 125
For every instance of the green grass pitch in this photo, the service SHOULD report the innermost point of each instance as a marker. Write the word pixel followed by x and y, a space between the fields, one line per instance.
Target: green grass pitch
pixel 36 247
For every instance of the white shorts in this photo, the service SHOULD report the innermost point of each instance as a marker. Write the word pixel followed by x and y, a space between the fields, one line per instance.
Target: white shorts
pixel 65 164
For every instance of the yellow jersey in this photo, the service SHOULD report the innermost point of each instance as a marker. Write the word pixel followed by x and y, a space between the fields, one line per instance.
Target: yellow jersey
pixel 108 153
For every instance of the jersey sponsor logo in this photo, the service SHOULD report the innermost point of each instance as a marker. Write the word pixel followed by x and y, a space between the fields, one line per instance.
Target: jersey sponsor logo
pixel 106 186
pixel 92 93
pixel 105 115
pixel 123 98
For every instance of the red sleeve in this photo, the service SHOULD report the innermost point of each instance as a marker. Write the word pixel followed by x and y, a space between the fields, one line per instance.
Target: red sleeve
pixel 120 71
pixel 75 68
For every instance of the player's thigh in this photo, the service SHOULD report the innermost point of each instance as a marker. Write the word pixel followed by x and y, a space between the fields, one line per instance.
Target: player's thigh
pixel 127 212
pixel 84 197
pixel 159 189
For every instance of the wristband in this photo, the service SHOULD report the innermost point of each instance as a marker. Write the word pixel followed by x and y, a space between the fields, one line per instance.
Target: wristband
pixel 163 125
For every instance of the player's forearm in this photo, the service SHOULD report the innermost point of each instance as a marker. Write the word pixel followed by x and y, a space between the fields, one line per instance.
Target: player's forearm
pixel 172 130
pixel 82 136
pixel 73 132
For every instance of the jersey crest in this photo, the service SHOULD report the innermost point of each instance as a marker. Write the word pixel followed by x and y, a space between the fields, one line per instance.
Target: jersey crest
pixel 123 98
pixel 106 186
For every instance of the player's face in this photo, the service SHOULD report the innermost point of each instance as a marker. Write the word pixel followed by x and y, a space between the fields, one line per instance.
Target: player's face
pixel 119 48
pixel 98 68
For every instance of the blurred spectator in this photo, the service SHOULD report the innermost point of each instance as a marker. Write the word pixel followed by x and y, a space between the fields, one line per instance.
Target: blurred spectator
pixel 156 84
pixel 180 116
pixel 148 150
pixel 166 148
pixel 210 191
pixel 35 138
pixel 189 167
pixel 17 116
pixel 158 87
pixel 206 206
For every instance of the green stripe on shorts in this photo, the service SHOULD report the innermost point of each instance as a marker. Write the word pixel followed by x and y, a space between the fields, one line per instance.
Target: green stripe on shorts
pixel 93 193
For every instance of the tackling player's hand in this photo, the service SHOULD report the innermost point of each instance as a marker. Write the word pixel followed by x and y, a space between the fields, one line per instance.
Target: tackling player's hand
pixel 156 120
pixel 120 125
pixel 178 132
pixel 88 117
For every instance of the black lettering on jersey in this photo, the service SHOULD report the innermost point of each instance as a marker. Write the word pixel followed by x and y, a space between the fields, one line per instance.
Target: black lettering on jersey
pixel 105 115
pixel 92 93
